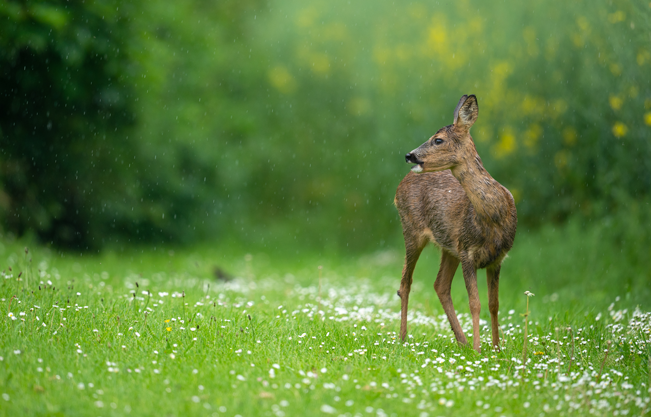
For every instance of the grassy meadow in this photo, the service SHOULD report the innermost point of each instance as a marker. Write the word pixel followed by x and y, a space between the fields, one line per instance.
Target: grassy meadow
pixel 219 330
pixel 131 133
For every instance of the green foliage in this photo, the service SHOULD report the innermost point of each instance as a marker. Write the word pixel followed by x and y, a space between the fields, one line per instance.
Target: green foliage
pixel 287 122
pixel 192 104
pixel 565 107
pixel 584 118
pixel 74 81
pixel 64 83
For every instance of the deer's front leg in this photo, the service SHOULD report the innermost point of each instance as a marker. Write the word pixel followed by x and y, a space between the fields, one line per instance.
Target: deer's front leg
pixel 413 250
pixel 470 278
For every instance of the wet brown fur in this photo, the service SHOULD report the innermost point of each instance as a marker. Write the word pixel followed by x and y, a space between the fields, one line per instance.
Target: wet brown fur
pixel 457 205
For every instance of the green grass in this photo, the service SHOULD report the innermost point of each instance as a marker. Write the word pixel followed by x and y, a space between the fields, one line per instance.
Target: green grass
pixel 90 334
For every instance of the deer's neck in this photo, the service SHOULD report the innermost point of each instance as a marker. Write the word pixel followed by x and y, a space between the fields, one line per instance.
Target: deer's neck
pixel 485 194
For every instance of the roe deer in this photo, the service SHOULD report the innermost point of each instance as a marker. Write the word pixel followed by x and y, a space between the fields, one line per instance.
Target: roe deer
pixel 450 199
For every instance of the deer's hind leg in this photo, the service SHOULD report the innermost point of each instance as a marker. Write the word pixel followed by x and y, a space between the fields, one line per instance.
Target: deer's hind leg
pixel 413 247
pixel 470 277
pixel 442 286
pixel 493 279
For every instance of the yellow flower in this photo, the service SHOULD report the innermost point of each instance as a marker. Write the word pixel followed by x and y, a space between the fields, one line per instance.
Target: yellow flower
pixel 619 129
pixel 647 118
pixel 583 23
pixel 532 105
pixel 618 16
pixel 532 135
pixel 359 106
pixel 529 35
pixel 437 38
pixel 502 70
pixel 282 79
pixel 559 107
pixel 335 32
pixel 506 145
pixel 616 102
pixel 561 159
pixel 539 353
pixel 569 136
pixel 320 63
pixel 167 321
pixel 381 55
pixel 515 192
pixel 633 91
pixel 307 17
pixel 169 329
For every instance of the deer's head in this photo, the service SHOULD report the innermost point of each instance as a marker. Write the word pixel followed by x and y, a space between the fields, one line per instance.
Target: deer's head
pixel 447 147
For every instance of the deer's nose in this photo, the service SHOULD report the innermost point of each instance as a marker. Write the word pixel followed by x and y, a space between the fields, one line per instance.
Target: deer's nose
pixel 410 158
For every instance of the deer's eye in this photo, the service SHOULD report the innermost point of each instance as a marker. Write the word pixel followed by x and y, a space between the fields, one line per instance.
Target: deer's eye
pixel 438 141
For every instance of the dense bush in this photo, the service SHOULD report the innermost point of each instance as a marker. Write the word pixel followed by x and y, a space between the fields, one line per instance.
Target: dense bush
pixel 564 97
pixel 583 118
pixel 283 122
pixel 73 82
pixel 65 93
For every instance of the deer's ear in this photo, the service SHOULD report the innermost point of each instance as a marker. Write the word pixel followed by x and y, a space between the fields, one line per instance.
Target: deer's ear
pixel 466 112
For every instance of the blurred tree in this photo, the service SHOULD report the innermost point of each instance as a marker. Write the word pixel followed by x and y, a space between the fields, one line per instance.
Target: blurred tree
pixel 75 168
pixel 66 101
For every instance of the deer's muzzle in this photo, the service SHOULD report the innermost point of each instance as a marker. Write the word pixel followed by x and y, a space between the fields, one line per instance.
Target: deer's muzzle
pixel 411 158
